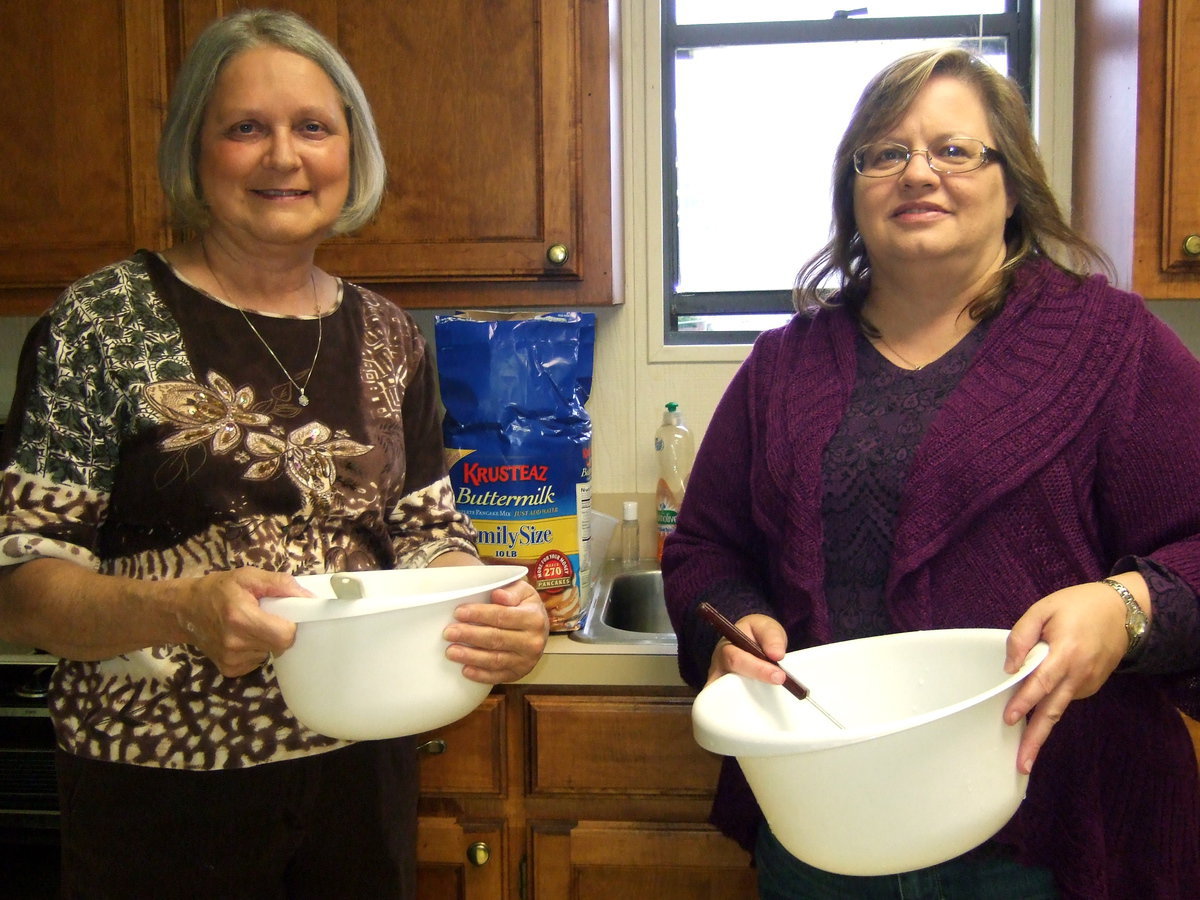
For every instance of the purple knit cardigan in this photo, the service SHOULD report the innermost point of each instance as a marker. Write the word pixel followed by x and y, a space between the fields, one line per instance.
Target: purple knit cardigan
pixel 1072 441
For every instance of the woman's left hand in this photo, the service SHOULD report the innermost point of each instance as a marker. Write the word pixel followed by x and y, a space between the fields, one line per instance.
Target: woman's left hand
pixel 1085 628
pixel 500 641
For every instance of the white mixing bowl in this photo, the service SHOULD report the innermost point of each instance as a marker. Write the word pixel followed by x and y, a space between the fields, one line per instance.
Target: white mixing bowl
pixel 376 667
pixel 924 770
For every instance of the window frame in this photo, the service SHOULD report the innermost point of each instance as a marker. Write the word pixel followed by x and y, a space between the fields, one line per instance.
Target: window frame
pixel 1016 24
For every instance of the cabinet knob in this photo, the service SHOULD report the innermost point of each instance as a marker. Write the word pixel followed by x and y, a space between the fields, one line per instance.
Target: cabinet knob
pixel 558 254
pixel 479 853
pixel 434 748
pixel 1191 245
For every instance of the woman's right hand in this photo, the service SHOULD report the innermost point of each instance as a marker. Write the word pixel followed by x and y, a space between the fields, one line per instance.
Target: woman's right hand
pixel 220 616
pixel 769 634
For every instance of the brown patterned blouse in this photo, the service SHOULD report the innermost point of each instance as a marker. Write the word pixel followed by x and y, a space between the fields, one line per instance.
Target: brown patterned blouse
pixel 152 435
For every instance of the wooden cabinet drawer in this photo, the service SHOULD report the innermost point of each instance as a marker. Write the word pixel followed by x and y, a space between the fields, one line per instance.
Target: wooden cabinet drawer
pixel 667 861
pixel 635 745
pixel 467 756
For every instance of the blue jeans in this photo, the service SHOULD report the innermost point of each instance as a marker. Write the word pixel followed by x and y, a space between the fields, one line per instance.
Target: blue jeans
pixel 977 876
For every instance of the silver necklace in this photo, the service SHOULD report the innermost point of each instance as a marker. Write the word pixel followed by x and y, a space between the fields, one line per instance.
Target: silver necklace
pixel 301 389
pixel 912 365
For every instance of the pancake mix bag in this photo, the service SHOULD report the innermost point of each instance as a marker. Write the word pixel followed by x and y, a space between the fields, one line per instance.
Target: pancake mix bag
pixel 519 443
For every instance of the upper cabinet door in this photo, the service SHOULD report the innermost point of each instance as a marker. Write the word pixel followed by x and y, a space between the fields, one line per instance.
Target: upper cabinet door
pixel 1136 188
pixel 85 85
pixel 494 118
pixel 1181 195
pixel 476 103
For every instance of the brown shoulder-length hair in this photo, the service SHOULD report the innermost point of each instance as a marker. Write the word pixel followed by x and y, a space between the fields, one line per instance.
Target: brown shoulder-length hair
pixel 1035 229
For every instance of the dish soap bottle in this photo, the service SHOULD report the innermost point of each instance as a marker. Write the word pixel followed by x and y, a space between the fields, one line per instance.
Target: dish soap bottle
pixel 675 451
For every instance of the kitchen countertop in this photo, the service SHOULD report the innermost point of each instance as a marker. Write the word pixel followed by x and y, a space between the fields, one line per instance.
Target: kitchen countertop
pixel 572 662
pixel 566 662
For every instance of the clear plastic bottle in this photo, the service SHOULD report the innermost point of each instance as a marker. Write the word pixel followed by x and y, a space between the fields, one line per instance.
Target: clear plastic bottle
pixel 675 451
pixel 631 545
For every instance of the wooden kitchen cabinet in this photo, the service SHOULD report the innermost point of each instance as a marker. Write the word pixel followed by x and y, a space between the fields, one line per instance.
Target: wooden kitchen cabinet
pixel 496 120
pixel 604 794
pixel 1136 185
pixel 460 860
pixel 591 748
pixel 84 82
pixel 460 857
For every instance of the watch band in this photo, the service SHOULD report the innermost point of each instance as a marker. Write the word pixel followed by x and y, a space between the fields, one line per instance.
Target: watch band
pixel 1136 621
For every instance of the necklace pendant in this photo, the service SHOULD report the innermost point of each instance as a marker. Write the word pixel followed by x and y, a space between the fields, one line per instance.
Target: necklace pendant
pixel 303 399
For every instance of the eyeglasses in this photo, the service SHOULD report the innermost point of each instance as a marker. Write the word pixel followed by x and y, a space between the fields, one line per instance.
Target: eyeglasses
pixel 953 156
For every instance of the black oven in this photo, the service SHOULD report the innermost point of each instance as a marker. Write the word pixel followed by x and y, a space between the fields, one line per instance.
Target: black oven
pixel 29 844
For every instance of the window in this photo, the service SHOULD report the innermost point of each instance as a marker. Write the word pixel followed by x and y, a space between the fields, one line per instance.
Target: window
pixel 754 101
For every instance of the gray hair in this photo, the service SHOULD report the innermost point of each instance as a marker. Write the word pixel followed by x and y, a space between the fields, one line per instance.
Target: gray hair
pixel 179 148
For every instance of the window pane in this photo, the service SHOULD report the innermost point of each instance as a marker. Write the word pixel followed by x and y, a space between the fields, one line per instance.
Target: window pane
pixel 756 130
pixel 733 323
pixel 708 12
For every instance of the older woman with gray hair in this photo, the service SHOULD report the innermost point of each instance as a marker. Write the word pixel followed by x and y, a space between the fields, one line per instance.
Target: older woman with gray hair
pixel 191 429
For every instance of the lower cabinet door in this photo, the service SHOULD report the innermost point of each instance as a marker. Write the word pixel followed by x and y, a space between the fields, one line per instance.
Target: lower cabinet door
pixel 602 860
pixel 457 861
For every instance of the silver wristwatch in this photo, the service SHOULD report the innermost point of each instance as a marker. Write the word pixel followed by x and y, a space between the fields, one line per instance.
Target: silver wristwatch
pixel 1136 622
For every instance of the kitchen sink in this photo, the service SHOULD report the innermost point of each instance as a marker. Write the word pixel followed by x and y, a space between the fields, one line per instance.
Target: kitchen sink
pixel 627 607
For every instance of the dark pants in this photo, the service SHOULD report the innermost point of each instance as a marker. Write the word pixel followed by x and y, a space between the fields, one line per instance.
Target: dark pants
pixel 337 824
pixel 980 875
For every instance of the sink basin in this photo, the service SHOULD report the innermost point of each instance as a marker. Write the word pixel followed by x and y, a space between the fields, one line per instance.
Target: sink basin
pixel 627 607
pixel 636 603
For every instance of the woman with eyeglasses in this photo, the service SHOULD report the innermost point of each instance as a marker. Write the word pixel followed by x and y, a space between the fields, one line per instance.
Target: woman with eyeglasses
pixel 970 431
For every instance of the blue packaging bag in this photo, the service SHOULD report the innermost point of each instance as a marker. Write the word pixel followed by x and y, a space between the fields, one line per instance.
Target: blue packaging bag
pixel 519 443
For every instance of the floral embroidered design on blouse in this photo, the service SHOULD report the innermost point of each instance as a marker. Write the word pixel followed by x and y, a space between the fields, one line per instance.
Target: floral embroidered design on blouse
pixel 229 418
